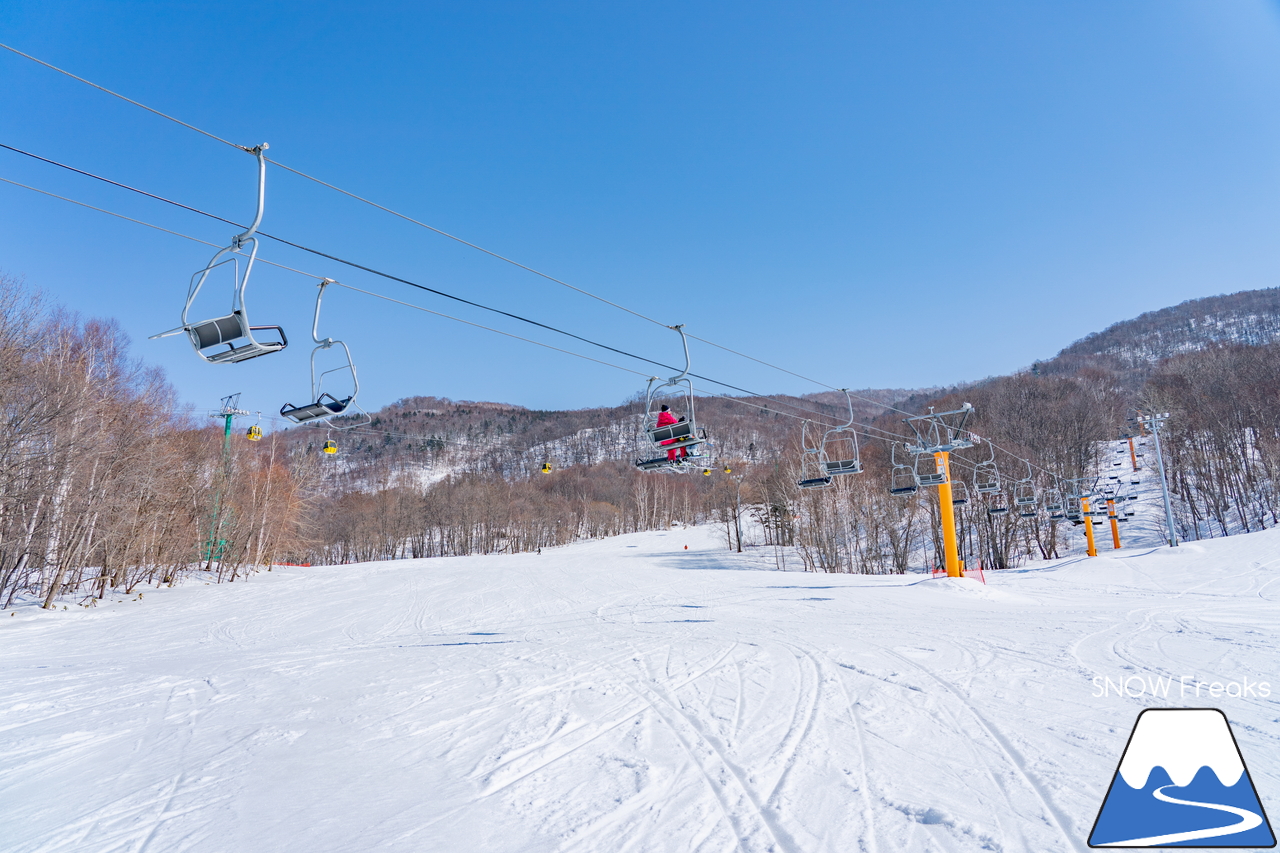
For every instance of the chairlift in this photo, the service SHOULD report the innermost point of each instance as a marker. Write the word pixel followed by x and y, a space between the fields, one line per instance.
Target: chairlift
pixel 326 405
pixel 1053 500
pixel 840 453
pixel 1024 491
pixel 813 460
pixel 902 479
pixel 1135 481
pixel 986 477
pixel 1028 511
pixel 234 329
pixel 999 505
pixel 927 471
pixel 1072 508
pixel 959 493
pixel 683 434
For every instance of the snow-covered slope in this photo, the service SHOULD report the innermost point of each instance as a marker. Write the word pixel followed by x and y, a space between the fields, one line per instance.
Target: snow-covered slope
pixel 622 695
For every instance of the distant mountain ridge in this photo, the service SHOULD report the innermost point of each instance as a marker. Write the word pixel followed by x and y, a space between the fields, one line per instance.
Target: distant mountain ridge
pixel 1249 317
pixel 436 434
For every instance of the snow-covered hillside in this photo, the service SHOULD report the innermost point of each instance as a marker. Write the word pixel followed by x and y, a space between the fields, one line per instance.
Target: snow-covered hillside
pixel 623 695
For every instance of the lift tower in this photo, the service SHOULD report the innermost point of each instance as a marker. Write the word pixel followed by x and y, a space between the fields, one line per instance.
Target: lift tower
pixel 937 434
pixel 215 545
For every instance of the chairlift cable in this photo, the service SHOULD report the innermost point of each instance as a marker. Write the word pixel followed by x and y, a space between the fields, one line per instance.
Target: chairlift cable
pixel 886 435
pixel 435 230
pixel 400 302
pixel 122 97
pixel 391 277
pixel 439 231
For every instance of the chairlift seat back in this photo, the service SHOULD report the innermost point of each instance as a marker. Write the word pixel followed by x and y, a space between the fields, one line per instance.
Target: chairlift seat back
pixel 662 463
pixel 681 432
pixel 836 467
pixel 321 408
pixel 229 330
pixel 935 479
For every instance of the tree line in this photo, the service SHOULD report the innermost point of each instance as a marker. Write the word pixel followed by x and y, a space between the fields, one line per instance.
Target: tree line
pixel 105 485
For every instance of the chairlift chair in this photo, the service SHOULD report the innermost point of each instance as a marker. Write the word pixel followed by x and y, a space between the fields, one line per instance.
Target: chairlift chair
pixel 682 434
pixel 233 330
pixel 927 471
pixel 902 478
pixel 813 461
pixel 325 405
pixel 959 493
pixel 1054 504
pixel 986 476
pixel 1024 491
pixel 840 454
pixel 999 505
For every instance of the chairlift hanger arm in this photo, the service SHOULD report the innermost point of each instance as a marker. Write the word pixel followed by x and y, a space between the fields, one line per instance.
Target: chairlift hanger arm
pixel 262 194
pixel 684 340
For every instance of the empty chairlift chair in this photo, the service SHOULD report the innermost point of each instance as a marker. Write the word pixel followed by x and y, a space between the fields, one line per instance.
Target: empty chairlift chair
pixel 813 461
pixel 959 493
pixel 324 405
pixel 840 446
pixel 1024 493
pixel 234 331
pixel 902 478
pixel 927 471
pixel 986 476
pixel 1053 504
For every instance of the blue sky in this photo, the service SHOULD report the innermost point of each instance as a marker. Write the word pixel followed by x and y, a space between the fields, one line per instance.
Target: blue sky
pixel 870 194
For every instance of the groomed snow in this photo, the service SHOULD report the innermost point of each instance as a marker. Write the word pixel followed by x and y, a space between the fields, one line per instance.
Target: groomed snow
pixel 620 695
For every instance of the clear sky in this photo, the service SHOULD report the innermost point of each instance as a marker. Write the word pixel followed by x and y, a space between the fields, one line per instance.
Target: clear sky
pixel 871 194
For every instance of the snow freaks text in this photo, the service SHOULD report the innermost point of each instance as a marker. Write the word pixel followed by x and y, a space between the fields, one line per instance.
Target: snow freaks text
pixel 1183 687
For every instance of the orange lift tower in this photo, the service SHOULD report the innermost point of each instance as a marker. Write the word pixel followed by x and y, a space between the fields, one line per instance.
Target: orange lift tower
pixel 936 437
pixel 1115 527
pixel 1082 490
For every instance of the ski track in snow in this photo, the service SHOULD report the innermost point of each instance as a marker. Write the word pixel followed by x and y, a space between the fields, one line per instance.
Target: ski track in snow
pixel 619 695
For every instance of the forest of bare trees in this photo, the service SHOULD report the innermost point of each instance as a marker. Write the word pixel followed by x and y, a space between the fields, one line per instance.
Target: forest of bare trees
pixel 103 486
pixel 106 486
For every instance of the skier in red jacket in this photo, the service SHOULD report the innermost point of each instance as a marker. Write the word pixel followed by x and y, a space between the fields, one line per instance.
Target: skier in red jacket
pixel 665 418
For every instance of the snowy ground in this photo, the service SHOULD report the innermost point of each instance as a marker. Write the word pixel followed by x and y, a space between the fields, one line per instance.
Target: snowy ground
pixel 621 695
